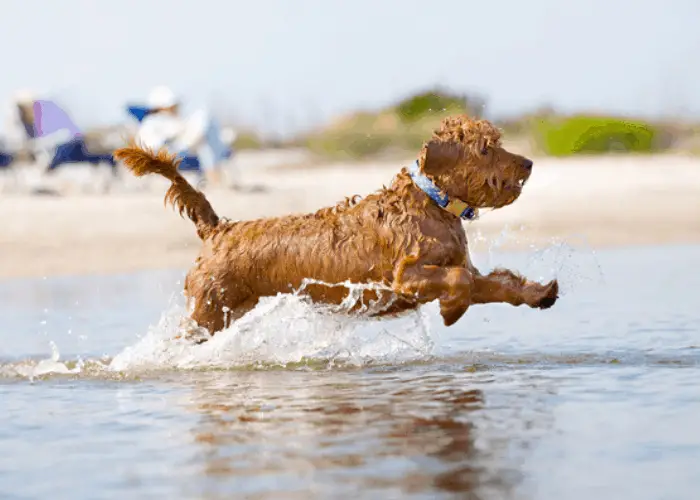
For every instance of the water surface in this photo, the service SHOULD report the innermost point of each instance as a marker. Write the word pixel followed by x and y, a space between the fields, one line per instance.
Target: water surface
pixel 598 397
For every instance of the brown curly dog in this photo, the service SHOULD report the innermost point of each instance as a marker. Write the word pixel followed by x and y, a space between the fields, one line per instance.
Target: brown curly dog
pixel 407 238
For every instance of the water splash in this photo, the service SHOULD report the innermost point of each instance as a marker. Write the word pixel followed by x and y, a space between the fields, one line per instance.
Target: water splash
pixel 50 366
pixel 288 330
pixel 571 260
pixel 282 330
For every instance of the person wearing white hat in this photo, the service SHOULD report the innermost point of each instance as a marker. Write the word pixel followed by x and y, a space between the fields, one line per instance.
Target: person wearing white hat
pixel 164 127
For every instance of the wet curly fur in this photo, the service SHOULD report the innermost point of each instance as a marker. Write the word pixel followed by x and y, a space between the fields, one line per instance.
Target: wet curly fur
pixel 396 237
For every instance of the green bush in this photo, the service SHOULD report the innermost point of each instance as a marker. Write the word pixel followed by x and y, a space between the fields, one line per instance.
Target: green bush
pixel 594 135
pixel 401 128
pixel 421 105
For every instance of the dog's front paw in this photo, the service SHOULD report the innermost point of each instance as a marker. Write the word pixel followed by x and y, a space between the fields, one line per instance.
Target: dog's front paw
pixel 547 295
pixel 192 333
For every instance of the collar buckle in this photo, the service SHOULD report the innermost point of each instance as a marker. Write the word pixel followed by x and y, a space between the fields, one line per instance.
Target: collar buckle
pixel 460 209
pixel 455 206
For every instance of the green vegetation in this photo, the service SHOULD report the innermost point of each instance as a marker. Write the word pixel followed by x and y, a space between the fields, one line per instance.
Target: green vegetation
pixel 431 103
pixel 402 127
pixel 564 136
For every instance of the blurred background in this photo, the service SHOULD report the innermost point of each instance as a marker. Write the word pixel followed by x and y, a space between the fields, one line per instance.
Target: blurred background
pixel 316 100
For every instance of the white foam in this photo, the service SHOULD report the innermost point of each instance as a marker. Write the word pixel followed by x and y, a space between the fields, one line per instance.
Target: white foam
pixel 280 330
pixel 50 366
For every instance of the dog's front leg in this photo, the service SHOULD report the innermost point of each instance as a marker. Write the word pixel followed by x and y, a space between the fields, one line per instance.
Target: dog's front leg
pixel 450 285
pixel 503 285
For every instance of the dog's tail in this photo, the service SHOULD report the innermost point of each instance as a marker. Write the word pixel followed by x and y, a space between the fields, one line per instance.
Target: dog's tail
pixel 185 198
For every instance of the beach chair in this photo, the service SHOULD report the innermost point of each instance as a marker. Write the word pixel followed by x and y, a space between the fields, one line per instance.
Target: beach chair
pixel 57 140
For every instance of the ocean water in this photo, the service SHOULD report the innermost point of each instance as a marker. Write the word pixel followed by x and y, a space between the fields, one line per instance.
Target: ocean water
pixel 597 397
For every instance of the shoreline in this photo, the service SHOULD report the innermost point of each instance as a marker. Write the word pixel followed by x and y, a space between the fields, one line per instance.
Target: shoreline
pixel 594 202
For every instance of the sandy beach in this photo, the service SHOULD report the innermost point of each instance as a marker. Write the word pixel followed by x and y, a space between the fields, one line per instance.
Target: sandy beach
pixel 595 202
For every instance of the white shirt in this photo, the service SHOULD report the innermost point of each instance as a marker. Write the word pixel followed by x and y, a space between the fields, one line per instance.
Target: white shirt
pixel 165 129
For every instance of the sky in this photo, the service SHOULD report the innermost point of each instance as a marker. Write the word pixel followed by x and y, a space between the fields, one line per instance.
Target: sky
pixel 285 65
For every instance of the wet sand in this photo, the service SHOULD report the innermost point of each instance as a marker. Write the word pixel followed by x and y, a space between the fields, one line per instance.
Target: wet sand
pixel 594 202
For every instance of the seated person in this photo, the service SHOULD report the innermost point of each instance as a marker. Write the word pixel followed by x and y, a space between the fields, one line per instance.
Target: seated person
pixel 196 140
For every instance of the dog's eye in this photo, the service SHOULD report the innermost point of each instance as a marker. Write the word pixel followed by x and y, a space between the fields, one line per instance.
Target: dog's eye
pixel 485 149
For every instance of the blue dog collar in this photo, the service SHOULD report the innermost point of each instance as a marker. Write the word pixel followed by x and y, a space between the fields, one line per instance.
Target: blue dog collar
pixel 456 206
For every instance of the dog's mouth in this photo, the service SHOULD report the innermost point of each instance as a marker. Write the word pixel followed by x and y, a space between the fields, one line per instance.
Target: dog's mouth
pixel 519 184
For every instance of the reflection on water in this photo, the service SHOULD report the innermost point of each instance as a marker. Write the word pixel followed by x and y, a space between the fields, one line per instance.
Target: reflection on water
pixel 431 431
pixel 342 433
pixel 389 434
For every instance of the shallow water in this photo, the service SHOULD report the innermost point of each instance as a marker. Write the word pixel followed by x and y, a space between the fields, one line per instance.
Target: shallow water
pixel 598 397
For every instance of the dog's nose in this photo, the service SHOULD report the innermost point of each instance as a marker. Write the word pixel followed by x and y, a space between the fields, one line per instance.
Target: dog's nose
pixel 527 164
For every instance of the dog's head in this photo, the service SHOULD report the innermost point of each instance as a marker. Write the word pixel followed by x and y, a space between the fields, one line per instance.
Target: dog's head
pixel 466 160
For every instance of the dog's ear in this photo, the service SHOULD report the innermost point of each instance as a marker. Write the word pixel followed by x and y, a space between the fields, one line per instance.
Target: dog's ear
pixel 442 156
